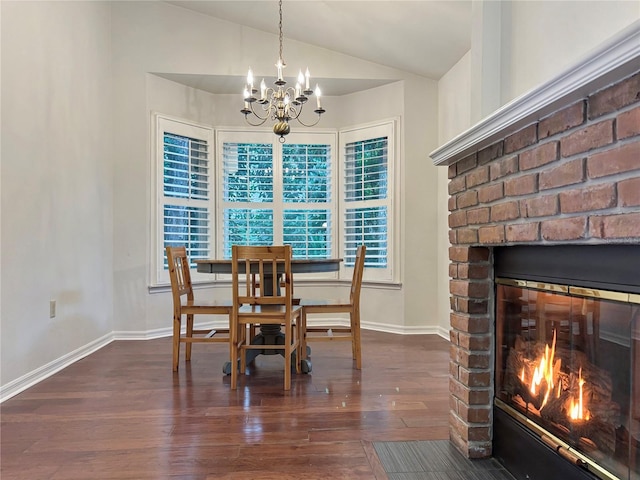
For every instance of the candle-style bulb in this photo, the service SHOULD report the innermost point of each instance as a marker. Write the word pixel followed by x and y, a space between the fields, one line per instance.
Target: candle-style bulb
pixel 318 93
pixel 250 78
pixel 287 104
pixel 279 66
pixel 307 76
pixel 263 90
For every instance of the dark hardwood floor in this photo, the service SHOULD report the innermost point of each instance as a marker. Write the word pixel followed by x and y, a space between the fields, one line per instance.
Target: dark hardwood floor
pixel 121 413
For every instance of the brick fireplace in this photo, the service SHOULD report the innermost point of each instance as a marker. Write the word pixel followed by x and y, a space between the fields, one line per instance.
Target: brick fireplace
pixel 569 176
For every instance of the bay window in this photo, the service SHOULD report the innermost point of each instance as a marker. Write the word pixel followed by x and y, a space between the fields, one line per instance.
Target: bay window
pixel 321 196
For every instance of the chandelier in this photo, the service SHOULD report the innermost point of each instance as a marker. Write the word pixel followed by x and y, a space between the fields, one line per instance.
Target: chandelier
pixel 279 103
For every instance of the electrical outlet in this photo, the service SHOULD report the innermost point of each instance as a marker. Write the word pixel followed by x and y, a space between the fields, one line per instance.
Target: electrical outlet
pixel 52 308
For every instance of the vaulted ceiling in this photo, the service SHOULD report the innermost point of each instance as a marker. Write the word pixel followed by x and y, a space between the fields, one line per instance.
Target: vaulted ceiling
pixel 424 37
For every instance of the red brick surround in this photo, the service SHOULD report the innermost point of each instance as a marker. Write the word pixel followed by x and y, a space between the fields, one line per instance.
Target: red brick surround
pixel 571 177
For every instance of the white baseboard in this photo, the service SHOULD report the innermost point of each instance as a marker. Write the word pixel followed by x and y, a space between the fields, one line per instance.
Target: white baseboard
pixel 444 333
pixel 143 335
pixel 20 384
pixel 400 329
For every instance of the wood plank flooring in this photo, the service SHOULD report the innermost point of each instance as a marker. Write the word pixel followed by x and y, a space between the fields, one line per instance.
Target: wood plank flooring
pixel 121 413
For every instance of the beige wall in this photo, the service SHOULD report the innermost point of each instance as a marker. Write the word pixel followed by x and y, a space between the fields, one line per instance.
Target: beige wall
pixel 56 183
pixel 540 39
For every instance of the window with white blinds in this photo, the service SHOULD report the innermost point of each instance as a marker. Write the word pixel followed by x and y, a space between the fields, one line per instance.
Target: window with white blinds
pixel 323 193
pixel 367 201
pixel 273 193
pixel 185 181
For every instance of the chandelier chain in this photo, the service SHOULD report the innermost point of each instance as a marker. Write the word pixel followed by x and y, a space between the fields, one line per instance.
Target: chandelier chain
pixel 280 28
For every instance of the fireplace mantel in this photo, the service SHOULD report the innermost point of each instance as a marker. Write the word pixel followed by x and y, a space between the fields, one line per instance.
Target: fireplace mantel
pixel 616 58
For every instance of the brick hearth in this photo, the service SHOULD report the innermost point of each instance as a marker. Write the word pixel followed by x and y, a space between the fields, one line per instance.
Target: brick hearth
pixel 573 177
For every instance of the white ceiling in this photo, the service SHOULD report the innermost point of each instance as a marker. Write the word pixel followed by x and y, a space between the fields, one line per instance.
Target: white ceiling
pixel 424 37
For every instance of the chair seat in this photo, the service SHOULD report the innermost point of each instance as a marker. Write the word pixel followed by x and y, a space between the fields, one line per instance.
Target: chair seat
pixel 204 305
pixel 311 303
pixel 267 310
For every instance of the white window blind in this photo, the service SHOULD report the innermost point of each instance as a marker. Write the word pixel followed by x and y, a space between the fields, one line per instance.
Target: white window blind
pixel 367 214
pixel 307 193
pixel 365 197
pixel 185 200
pixel 188 226
pixel 275 193
pixel 247 189
pixel 308 232
pixel 186 167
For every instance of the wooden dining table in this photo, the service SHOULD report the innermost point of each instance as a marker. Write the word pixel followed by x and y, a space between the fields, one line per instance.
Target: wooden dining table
pixel 298 265
pixel 270 334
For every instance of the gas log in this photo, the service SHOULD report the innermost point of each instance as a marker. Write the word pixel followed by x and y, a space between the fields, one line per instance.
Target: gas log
pixel 588 417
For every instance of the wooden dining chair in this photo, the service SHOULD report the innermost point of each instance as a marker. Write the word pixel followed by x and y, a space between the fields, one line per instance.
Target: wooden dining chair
pixel 184 304
pixel 351 306
pixel 271 304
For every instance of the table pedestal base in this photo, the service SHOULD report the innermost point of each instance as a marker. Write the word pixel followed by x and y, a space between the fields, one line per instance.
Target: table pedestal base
pixel 270 335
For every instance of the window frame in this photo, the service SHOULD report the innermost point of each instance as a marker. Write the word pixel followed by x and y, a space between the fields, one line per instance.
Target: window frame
pixel 390 129
pixel 316 136
pixel 165 123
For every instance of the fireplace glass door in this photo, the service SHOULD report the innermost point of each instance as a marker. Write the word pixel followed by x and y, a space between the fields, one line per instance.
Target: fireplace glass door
pixel 567 360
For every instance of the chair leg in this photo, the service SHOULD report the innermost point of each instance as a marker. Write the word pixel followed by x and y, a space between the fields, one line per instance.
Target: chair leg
pixel 189 334
pixel 287 355
pixel 298 350
pixel 233 354
pixel 242 352
pixel 355 337
pixel 303 335
pixel 176 342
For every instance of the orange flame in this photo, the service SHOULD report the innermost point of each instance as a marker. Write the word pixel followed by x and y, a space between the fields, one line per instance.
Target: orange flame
pixel 544 372
pixel 577 410
pixel 545 381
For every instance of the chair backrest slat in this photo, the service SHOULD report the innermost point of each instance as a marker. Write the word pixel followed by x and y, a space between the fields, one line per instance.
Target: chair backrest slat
pixel 263 262
pixel 358 271
pixel 179 274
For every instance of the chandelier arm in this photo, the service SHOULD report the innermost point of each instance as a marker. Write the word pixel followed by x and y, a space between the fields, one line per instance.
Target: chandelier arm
pixel 293 112
pixel 269 93
pixel 310 124
pixel 262 120
pixel 246 118
pixel 265 108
